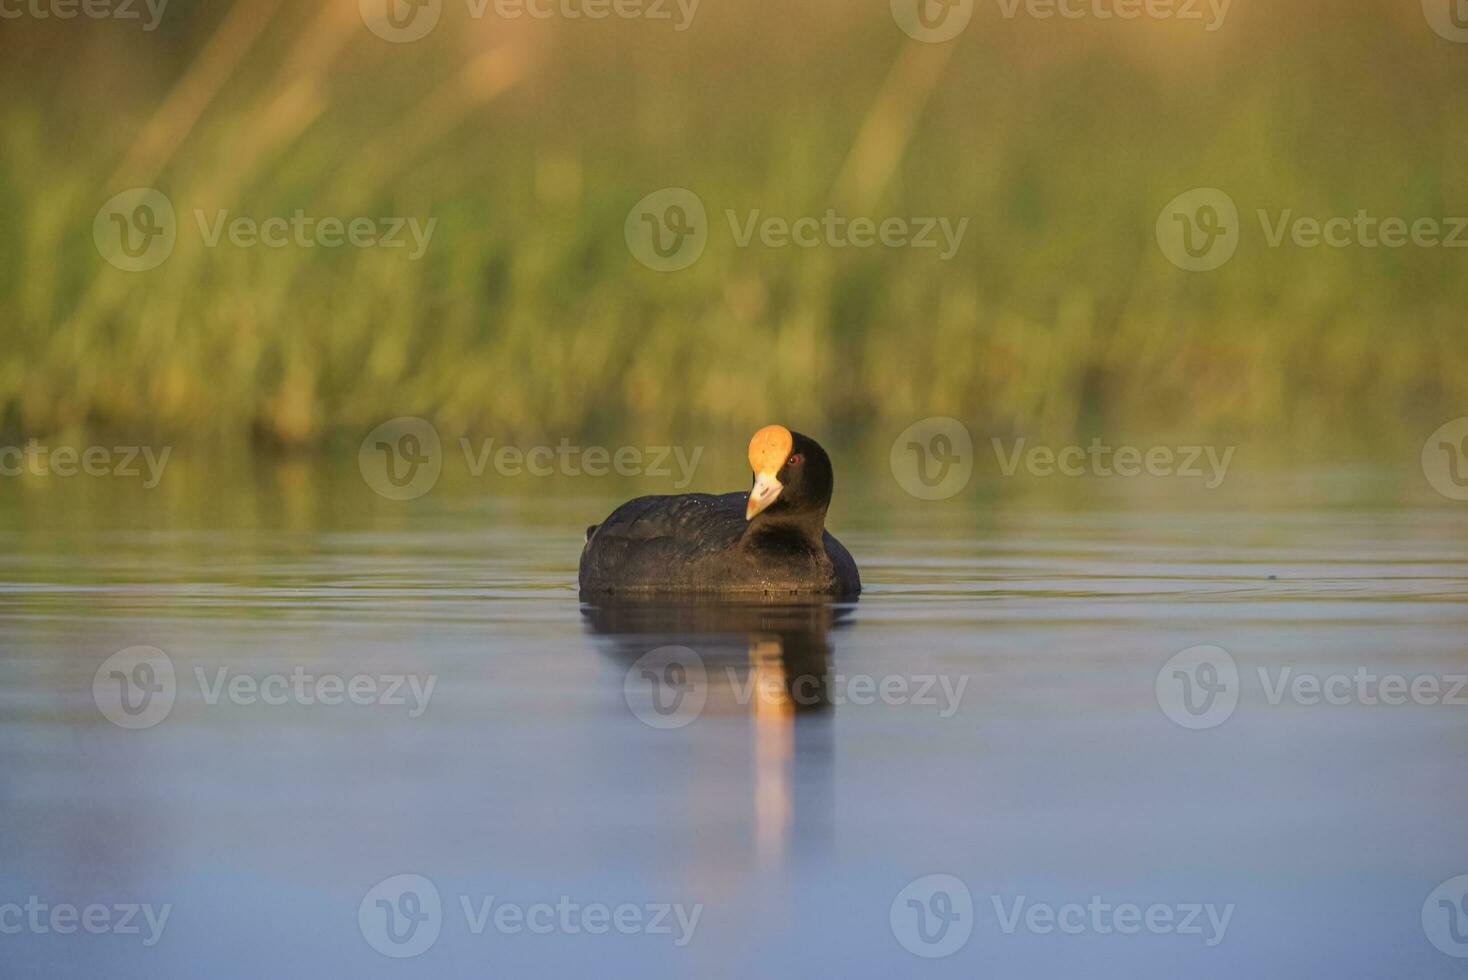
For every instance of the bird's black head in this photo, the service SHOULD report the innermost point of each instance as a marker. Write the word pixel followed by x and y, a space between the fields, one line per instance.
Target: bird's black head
pixel 792 480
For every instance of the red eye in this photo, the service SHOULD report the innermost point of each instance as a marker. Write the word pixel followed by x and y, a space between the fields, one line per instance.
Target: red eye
pixel 793 460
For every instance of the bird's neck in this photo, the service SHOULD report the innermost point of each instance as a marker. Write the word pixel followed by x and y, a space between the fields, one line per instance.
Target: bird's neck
pixel 786 529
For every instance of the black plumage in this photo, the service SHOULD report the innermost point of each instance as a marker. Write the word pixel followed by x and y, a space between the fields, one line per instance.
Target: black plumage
pixel 706 543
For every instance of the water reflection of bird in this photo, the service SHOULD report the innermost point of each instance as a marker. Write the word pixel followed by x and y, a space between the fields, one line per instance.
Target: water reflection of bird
pixel 769 661
pixel 788 641
pixel 769 541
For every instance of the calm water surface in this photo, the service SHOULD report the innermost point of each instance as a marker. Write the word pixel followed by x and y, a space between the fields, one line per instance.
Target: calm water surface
pixel 991 710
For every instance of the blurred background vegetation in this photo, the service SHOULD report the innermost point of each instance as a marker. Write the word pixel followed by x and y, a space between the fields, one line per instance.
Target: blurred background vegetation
pixel 530 140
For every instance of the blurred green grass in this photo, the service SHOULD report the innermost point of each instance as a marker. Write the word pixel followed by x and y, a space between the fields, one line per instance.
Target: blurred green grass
pixel 529 141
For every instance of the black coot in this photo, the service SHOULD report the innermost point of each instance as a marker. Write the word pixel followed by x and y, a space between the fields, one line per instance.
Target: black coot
pixel 771 540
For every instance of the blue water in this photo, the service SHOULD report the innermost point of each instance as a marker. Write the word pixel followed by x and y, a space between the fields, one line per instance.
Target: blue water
pixel 1046 773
